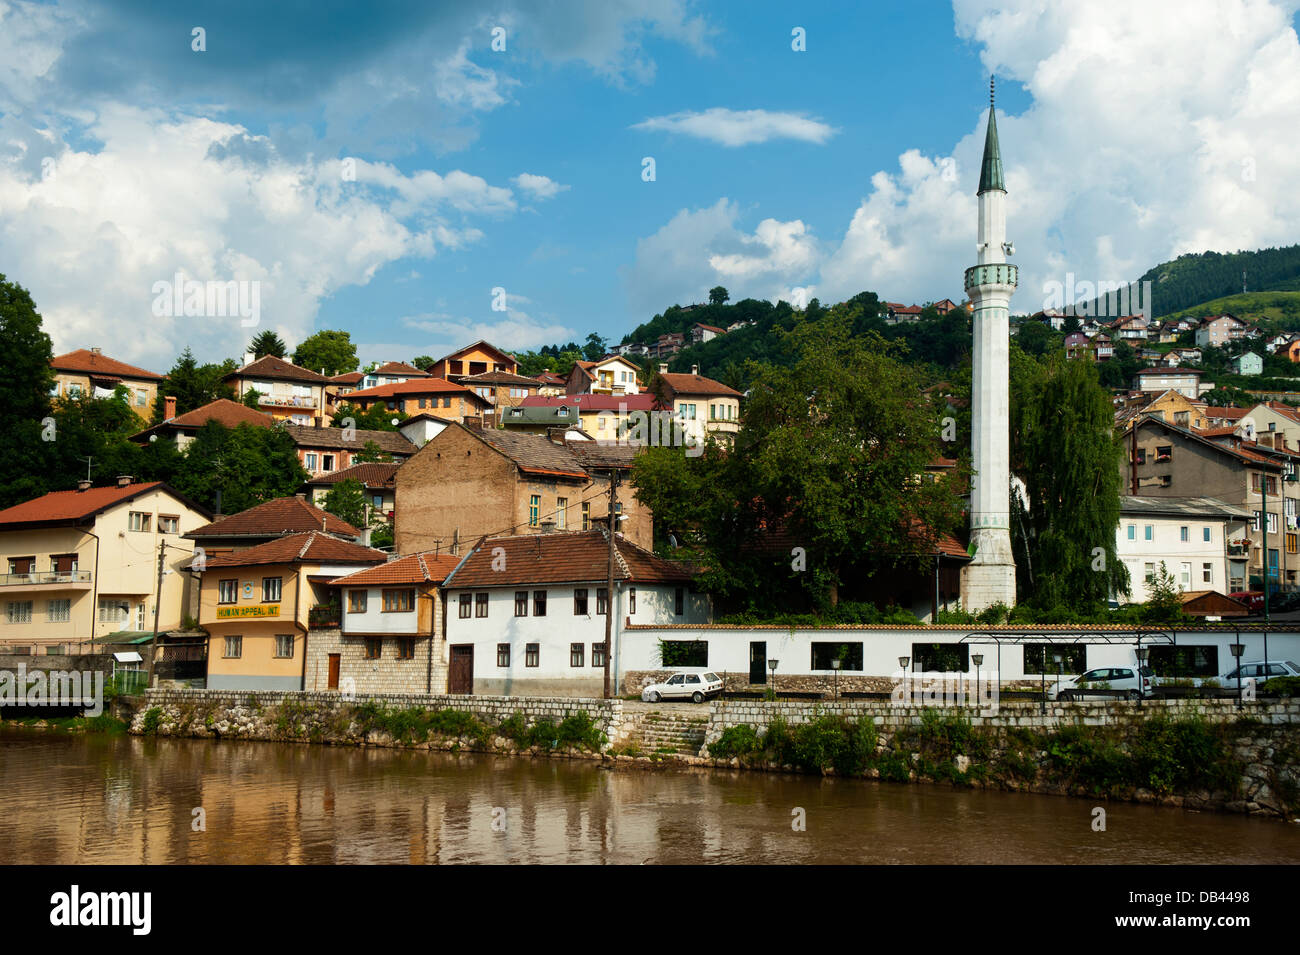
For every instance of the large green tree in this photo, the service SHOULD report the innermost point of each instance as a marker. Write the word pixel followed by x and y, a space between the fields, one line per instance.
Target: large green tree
pixel 247 464
pixel 24 396
pixel 267 343
pixel 346 500
pixel 1065 449
pixel 193 385
pixel 328 352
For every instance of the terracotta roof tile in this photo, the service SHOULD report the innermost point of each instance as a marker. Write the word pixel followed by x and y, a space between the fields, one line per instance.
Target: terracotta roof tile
pixel 283 515
pixel 399 368
pixel 680 384
pixel 498 378
pixel 422 568
pixel 74 505
pixel 227 413
pixel 531 452
pixel 347 378
pixel 373 474
pixel 598 455
pixel 311 548
pixel 562 558
pixel 416 386
pixel 268 366
pixel 639 402
pixel 393 442
pixel 85 361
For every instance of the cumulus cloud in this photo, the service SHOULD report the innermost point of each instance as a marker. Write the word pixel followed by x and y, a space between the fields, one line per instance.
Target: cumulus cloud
pixel 731 127
pixel 515 330
pixel 539 187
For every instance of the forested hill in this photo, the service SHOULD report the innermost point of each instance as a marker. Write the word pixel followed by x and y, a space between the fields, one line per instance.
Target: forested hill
pixel 1194 278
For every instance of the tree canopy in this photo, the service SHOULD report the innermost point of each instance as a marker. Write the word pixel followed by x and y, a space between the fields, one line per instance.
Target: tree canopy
pixel 328 352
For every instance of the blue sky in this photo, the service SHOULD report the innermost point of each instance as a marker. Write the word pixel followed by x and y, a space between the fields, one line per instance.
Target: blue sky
pixel 126 157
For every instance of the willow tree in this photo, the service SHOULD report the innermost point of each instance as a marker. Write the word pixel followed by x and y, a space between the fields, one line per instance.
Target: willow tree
pixel 1067 452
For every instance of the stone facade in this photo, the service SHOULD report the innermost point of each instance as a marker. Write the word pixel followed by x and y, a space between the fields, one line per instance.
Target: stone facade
pixel 425 672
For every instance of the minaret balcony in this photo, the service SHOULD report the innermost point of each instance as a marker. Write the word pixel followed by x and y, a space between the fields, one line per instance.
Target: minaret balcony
pixel 1001 273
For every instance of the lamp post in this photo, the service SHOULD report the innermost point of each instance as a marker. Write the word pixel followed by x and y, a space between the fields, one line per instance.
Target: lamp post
pixel 771 665
pixel 977 659
pixel 1142 654
pixel 1042 685
pixel 902 666
pixel 1059 659
pixel 835 665
pixel 1237 650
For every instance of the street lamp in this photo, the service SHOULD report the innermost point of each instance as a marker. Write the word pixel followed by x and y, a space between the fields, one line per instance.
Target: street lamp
pixel 1237 650
pixel 771 665
pixel 977 659
pixel 902 666
pixel 1142 654
pixel 1058 658
pixel 835 665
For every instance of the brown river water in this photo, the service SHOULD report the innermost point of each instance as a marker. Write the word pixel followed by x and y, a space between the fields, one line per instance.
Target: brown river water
pixel 96 799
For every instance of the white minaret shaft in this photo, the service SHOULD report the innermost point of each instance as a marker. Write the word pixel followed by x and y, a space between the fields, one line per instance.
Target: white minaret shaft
pixel 991 577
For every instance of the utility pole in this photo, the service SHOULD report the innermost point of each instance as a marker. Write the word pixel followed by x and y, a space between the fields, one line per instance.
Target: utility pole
pixel 157 604
pixel 609 587
pixel 1263 523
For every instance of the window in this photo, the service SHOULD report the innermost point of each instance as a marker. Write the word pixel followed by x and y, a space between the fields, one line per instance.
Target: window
pixel 679 603
pixel 480 605
pixel 311 462
pixel 284 645
pixel 503 654
pixel 561 506
pixel 446 402
pixel 580 602
pixel 271 589
pixel 227 591
pixel 234 648
pixel 406 648
pixel 1290 543
pixel 1205 534
pixel 1185 577
pixel 58 611
pixel 534 509
pixel 1185 660
pixel 602 601
pixel 420 402
pixel 631 601
pixel 327 462
pixel 1149 571
pixel 357 601
pixel 399 601
pixel 1184 534
pixel 19 611
pixel 377 501
pixel 532 654
pixel 1207 573
pixel 1132 532
pixel 849 655
pixel 521 603
pixel 374 647
pixel 112 610
pixel 684 653
pixel 1254 521
pixel 1150 532
pixel 576 654
pixel 22 565
pixel 1272 523
pixel 1140 456
pixel 139 521
pixel 466 601
pixel 1165 453
pixel 169 524
pixel 539 603
pixel 598 655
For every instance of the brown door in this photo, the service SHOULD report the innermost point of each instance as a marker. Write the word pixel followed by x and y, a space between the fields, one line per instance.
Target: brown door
pixel 461 677
pixel 334 671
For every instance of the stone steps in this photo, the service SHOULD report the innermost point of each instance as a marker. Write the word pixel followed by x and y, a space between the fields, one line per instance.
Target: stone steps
pixel 655 731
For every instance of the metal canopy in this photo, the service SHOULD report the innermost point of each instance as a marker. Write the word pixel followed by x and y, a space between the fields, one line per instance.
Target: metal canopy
pixel 1122 637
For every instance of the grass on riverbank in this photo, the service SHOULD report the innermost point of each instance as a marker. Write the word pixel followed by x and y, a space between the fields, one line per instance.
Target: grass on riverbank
pixel 102 724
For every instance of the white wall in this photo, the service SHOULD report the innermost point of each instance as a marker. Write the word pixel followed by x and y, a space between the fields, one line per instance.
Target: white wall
pixel 1167 546
pixel 375 620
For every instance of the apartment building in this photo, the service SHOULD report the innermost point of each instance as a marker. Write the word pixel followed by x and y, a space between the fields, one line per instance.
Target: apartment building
pixel 1195 539
pixel 88 372
pixel 284 391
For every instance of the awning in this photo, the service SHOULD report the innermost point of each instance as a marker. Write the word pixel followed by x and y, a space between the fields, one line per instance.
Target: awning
pixel 128 657
pixel 125 638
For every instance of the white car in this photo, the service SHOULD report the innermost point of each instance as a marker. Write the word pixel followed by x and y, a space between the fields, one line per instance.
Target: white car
pixel 696 687
pixel 1259 671
pixel 1123 678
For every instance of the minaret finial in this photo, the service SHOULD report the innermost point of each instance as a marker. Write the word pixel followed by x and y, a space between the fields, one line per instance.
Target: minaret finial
pixel 990 91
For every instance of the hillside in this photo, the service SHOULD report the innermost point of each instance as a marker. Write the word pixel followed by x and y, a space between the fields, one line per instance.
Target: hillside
pixel 1272 311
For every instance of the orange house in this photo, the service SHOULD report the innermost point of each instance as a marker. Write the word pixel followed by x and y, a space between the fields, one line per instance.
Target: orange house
pixel 476 359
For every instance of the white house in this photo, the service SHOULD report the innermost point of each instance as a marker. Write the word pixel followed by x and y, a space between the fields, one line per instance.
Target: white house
pixel 420 429
pixel 1185 381
pixel 1188 535
pixel 526 614
pixel 1247 363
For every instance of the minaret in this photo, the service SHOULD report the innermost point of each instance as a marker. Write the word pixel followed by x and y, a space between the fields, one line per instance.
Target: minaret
pixel 991 576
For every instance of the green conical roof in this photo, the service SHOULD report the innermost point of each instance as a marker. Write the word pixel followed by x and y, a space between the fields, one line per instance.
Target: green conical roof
pixel 991 167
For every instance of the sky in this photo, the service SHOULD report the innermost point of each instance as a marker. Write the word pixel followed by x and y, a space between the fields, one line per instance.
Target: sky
pixel 424 175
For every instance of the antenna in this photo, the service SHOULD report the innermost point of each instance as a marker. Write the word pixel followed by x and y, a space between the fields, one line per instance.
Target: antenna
pixel 990 91
pixel 87 460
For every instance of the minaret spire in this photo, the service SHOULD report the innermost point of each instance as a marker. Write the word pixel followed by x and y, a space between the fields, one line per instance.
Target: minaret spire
pixel 991 167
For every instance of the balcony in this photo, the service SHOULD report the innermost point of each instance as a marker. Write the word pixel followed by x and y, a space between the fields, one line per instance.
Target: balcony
pixel 1238 548
pixel 325 616
pixel 994 274
pixel 287 401
pixel 53 579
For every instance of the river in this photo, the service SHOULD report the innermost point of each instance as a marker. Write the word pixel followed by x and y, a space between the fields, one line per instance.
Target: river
pixel 115 799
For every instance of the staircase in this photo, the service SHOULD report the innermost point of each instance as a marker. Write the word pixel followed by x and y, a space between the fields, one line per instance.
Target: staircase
pixel 658 731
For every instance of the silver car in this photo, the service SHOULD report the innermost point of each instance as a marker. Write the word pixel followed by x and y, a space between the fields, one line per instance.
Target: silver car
pixel 696 687
pixel 1259 671
pixel 1125 678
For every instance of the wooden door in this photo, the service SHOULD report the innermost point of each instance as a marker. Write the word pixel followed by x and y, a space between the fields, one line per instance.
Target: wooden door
pixel 461 677
pixel 758 662
pixel 334 671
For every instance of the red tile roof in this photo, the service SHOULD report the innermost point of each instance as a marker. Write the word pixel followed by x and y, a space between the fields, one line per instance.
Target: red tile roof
pixel 312 548
pixel 638 402
pixel 283 515
pixel 58 506
pixel 531 452
pixel 229 414
pixel 270 367
pixel 711 328
pixel 679 384
pixel 417 386
pixel 399 368
pixel 84 361
pixel 370 475
pixel 311 438
pixel 498 378
pixel 347 378
pixel 562 558
pixel 422 568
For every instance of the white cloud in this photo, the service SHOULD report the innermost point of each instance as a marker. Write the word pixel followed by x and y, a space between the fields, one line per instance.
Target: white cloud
pixel 731 127
pixel 514 331
pixel 541 187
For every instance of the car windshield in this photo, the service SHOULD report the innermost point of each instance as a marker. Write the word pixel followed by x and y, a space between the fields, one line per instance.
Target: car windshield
pixel 712 678
pixel 1293 666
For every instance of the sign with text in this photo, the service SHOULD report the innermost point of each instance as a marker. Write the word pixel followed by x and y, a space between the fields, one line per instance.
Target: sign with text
pixel 265 610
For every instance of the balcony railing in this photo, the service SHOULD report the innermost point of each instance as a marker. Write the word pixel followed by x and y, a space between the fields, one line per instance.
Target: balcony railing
pixel 48 577
pixel 286 401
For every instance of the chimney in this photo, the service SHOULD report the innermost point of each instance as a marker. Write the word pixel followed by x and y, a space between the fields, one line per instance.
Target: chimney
pixel 663 368
pixel 124 480
pixel 249 357
pixel 548 525
pixel 169 407
pixel 95 350
pixel 216 505
pixel 695 369
pixel 301 495
pixel 83 485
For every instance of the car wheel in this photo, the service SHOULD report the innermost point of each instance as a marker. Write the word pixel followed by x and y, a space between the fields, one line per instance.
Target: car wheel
pixel 697 697
pixel 654 696
pixel 1065 696
pixel 1130 695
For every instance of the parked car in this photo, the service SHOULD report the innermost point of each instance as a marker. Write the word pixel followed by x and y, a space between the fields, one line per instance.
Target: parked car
pixel 1125 678
pixel 1253 599
pixel 696 687
pixel 1259 671
pixel 1284 603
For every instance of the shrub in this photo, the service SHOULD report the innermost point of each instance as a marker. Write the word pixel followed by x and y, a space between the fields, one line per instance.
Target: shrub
pixel 736 742
pixel 152 717
pixel 1281 686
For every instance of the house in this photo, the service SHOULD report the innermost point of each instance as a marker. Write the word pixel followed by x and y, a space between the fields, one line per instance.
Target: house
pixel 1130 328
pixel 897 313
pixel 1103 349
pixel 469 483
pixel 83 564
pixel 604 417
pixel 501 389
pixel 1187 535
pixel 475 359
pixel 1164 460
pixel 629 348
pixel 527 615
pixel 257 606
pixel 339 387
pixel 543 419
pixel 183 428
pixel 1273 424
pixel 387 631
pixel 322 450
pixel 1290 351
pixel 376 482
pixel 705 408
pixel 667 345
pixel 612 375
pixel 551 385
pixel 266 522
pixel 701 333
pixel 1177 356
pixel 284 391
pixel 1215 331
pixel 945 306
pixel 1249 363
pixel 1173 407
pixel 448 399
pixel 418 429
pixel 391 373
pixel 88 372
pixel 1184 380
pixel 1076 344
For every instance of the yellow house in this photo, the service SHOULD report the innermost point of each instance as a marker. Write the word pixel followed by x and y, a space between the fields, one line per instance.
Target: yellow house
pixel 285 391
pixel 87 372
pixel 83 564
pixel 476 359
pixel 1176 409
pixel 257 605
